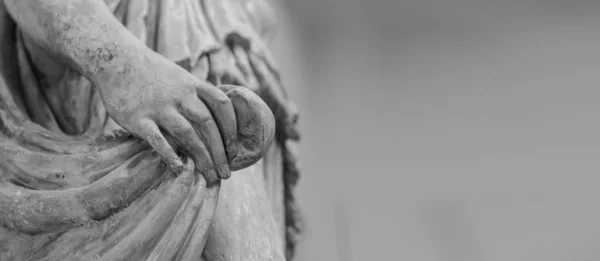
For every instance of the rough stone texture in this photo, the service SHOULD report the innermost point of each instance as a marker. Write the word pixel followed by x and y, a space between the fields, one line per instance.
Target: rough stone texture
pixel 74 185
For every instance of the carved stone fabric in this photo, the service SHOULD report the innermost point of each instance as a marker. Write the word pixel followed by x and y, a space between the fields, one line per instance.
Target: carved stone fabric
pixel 75 186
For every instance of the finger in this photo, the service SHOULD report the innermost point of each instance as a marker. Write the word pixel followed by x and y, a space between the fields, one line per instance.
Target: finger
pixel 221 109
pixel 185 135
pixel 208 131
pixel 149 131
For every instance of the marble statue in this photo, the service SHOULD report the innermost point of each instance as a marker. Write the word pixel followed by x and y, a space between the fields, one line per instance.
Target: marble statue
pixel 144 130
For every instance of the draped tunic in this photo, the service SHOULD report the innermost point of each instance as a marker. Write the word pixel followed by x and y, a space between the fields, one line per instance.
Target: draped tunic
pixel 75 186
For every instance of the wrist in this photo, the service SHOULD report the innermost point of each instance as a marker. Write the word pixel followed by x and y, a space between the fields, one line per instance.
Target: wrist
pixel 112 67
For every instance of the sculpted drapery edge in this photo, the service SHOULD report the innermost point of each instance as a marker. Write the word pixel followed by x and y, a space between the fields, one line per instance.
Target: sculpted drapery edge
pixel 222 41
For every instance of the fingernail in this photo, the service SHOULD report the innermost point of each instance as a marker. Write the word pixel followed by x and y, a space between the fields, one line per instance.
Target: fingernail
pixel 224 171
pixel 211 176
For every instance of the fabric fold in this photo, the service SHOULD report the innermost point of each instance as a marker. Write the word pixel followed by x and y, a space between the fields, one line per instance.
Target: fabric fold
pixel 75 186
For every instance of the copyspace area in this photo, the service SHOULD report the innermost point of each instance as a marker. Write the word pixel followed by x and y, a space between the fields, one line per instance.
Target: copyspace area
pixel 448 130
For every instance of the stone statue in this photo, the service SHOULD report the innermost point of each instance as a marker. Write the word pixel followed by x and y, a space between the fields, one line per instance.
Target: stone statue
pixel 144 130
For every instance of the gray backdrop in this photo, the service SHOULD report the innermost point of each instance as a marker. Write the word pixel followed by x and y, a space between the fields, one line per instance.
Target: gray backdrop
pixel 450 130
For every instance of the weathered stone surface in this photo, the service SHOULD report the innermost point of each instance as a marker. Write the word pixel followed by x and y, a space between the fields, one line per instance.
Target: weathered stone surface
pixel 91 119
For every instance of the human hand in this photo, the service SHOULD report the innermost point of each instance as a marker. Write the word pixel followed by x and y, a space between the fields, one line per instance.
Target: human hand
pixel 172 110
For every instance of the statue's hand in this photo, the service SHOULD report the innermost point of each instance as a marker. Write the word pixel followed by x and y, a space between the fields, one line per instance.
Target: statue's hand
pixel 161 102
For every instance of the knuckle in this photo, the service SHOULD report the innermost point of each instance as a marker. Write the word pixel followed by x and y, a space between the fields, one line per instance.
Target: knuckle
pixel 153 138
pixel 206 120
pixel 180 103
pixel 143 124
pixel 221 99
pixel 187 132
pixel 150 133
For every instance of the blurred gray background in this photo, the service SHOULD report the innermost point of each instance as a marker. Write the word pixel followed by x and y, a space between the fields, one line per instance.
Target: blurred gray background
pixel 450 130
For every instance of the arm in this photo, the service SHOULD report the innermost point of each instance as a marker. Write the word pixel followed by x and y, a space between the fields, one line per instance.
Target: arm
pixel 145 93
pixel 82 33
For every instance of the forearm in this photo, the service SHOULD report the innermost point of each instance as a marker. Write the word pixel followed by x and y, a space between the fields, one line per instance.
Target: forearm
pixel 82 33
